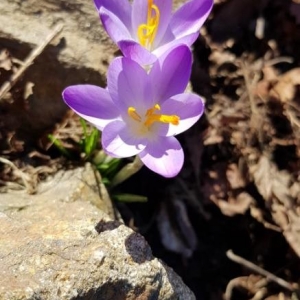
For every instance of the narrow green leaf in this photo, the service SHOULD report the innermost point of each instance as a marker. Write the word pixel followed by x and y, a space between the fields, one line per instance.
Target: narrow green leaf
pixel 58 145
pixel 129 198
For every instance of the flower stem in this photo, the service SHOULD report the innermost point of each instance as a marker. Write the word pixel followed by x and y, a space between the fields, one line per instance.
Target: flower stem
pixel 127 171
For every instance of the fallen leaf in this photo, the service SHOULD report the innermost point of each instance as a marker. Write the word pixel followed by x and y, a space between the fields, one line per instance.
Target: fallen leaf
pixel 5 60
pixel 233 206
pixel 285 89
pixel 234 177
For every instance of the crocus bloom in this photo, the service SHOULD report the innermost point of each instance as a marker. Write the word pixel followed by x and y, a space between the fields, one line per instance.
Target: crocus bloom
pixel 146 29
pixel 140 112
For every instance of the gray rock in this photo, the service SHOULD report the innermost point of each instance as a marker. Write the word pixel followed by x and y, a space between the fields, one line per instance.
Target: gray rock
pixel 79 54
pixel 58 245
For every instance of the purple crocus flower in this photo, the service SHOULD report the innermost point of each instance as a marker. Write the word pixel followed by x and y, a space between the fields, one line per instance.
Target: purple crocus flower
pixel 140 112
pixel 146 29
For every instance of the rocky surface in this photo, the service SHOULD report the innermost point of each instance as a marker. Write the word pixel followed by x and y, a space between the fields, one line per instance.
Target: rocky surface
pixel 58 245
pixel 79 54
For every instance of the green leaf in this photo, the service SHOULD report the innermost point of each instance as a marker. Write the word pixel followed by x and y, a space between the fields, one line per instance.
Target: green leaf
pixel 110 167
pixel 129 198
pixel 90 140
pixel 57 143
pixel 84 127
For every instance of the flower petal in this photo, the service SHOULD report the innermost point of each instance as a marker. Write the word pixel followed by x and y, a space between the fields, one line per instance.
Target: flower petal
pixel 137 52
pixel 138 14
pixel 128 85
pixel 115 28
pixel 190 17
pixel 164 156
pixel 170 43
pixel 188 107
pixel 120 8
pixel 165 11
pixel 118 141
pixel 91 103
pixel 170 74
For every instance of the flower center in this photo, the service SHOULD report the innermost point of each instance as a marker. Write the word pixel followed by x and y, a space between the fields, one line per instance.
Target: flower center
pixel 151 117
pixel 146 32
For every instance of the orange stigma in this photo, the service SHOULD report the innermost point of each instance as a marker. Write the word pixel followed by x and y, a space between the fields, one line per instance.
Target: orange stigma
pixel 146 32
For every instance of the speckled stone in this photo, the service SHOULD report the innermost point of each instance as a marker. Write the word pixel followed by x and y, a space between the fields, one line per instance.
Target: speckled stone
pixel 58 245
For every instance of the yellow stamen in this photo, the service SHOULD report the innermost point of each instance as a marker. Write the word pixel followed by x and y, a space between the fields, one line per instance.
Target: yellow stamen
pixel 150 111
pixel 133 114
pixel 151 117
pixel 146 32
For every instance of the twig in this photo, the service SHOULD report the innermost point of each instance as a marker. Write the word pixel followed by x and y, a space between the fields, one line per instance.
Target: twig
pixel 248 84
pixel 256 118
pixel 293 119
pixel 29 60
pixel 269 276
pixel 278 60
pixel 25 177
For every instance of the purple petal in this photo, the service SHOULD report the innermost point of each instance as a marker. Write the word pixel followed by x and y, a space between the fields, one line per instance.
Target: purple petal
pixel 118 141
pixel 165 10
pixel 91 103
pixel 128 85
pixel 170 74
pixel 120 8
pixel 137 52
pixel 115 28
pixel 190 17
pixel 188 107
pixel 170 43
pixel 139 14
pixel 164 156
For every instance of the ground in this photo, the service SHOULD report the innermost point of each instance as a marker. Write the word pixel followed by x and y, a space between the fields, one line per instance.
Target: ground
pixel 238 195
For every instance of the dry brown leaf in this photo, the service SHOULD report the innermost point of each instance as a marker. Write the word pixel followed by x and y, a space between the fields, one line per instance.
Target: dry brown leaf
pixel 280 296
pixel 295 191
pixel 285 89
pixel 215 186
pixel 212 137
pixel 263 87
pixel 262 177
pixel 258 215
pixel 270 73
pixel 248 283
pixel 292 236
pixel 234 206
pixel 276 188
pixel 271 182
pixel 235 177
pixel 5 60
pixel 221 57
